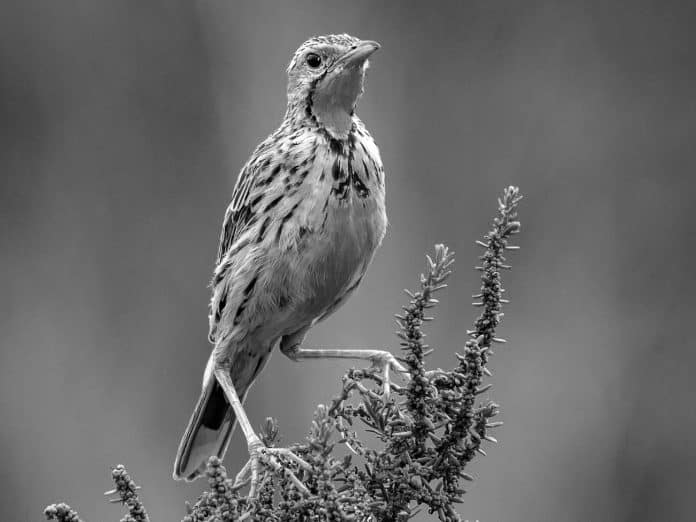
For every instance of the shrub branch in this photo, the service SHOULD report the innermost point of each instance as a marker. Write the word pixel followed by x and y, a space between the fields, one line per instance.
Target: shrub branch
pixel 427 431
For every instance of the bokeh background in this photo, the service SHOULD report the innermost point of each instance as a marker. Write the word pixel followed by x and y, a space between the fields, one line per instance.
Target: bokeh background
pixel 122 129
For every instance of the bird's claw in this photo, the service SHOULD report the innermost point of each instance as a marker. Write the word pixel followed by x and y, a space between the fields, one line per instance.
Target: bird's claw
pixel 243 477
pixel 260 454
pixel 385 361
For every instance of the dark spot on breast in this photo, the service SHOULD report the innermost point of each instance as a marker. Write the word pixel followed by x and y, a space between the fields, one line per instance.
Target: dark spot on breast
pixel 238 314
pixel 336 171
pixel 272 175
pixel 336 146
pixel 250 286
pixel 342 180
pixel 325 212
pixel 340 190
pixel 256 200
pixel 286 218
pixel 247 292
pixel 274 202
pixel 262 231
pixel 366 168
pixel 361 190
pixel 220 307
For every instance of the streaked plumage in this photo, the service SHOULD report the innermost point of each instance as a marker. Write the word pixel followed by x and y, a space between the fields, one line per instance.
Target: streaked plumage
pixel 306 216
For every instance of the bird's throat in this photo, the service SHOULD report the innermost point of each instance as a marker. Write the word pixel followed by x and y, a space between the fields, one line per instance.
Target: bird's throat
pixel 334 100
pixel 335 120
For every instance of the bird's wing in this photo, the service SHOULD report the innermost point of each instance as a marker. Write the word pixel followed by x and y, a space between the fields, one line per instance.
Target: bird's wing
pixel 238 213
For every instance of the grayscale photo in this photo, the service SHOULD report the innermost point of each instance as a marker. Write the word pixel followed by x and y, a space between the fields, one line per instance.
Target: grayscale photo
pixel 291 261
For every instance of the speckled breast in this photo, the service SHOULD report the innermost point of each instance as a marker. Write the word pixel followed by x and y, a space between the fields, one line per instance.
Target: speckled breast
pixel 325 252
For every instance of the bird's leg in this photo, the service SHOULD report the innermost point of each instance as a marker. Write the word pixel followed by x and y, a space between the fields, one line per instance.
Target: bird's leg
pixel 258 452
pixel 381 359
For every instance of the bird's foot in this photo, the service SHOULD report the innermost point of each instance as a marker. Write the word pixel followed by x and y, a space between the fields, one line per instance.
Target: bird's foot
pixel 271 458
pixel 386 362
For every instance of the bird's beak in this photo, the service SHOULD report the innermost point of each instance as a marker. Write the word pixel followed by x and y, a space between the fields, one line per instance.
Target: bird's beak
pixel 356 55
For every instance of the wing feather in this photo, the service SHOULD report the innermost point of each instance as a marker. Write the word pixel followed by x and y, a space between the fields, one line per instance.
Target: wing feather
pixel 238 213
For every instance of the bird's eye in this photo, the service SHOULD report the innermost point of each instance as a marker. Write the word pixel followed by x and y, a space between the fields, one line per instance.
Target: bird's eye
pixel 313 60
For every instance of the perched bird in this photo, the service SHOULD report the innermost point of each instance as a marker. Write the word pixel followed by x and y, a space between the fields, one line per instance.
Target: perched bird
pixel 306 217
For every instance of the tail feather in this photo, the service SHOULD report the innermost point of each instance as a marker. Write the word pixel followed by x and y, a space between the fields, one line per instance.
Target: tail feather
pixel 211 425
pixel 208 433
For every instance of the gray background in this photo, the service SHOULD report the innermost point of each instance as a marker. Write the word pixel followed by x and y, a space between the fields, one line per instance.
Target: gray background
pixel 123 125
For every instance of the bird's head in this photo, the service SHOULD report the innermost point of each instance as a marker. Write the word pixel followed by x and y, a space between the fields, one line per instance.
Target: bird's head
pixel 325 81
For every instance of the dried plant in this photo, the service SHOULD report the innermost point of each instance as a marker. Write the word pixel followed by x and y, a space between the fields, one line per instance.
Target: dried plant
pixel 426 431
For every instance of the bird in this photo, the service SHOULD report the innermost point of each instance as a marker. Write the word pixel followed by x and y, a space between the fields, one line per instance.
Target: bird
pixel 306 216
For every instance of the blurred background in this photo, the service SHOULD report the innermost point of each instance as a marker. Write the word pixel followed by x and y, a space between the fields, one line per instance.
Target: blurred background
pixel 122 129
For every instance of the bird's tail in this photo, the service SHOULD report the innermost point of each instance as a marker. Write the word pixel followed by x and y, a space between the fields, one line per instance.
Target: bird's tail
pixel 210 428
